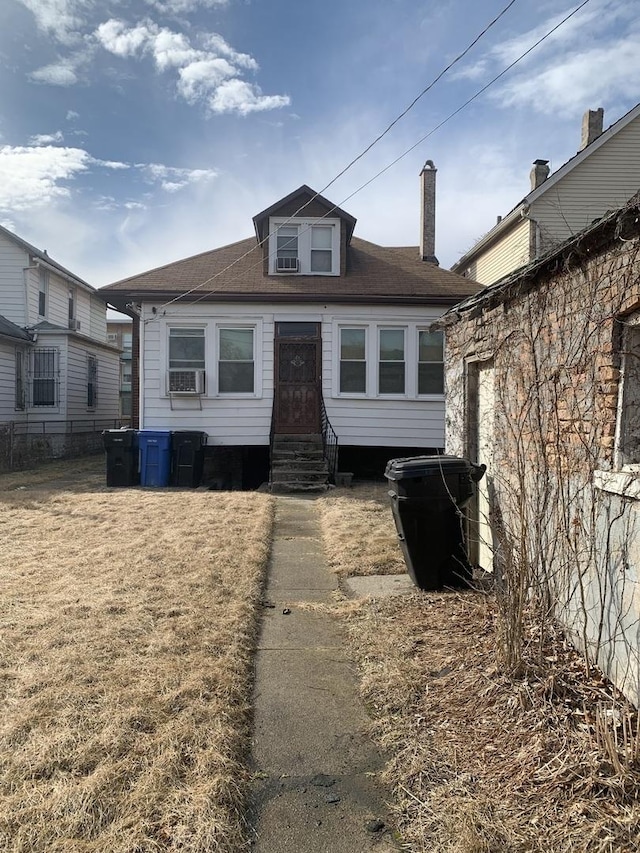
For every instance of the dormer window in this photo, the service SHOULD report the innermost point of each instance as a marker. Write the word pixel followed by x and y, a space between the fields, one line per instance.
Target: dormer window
pixel 304 247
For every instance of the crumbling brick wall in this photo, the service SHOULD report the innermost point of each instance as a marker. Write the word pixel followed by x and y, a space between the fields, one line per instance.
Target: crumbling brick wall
pixel 554 335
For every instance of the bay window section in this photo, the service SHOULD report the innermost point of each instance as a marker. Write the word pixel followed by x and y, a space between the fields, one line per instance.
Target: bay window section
pixel 430 362
pixel 44 376
pixel 353 361
pixel 236 370
pixel 391 364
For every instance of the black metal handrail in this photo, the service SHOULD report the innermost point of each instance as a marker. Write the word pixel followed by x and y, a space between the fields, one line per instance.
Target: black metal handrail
pixel 329 441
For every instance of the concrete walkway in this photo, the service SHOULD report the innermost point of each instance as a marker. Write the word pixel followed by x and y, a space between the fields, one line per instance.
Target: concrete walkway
pixel 316 788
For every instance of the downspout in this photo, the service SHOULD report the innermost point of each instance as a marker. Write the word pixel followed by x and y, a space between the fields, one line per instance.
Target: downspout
pixel 537 237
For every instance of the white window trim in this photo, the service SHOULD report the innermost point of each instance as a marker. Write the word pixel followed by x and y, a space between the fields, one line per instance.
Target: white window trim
pixel 372 343
pixel 256 328
pixel 415 341
pixel 304 243
pixel 211 344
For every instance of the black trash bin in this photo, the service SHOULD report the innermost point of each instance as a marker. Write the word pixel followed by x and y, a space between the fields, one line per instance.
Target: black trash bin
pixel 426 494
pixel 121 447
pixel 187 458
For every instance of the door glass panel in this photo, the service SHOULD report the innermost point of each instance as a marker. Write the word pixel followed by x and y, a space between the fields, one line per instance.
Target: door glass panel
pixel 297 330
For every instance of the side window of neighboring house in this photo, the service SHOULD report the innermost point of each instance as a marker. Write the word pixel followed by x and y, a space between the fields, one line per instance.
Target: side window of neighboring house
pixel 72 306
pixel 20 389
pixel 391 361
pixel 43 292
pixel 44 376
pixel 628 430
pixel 430 362
pixel 186 360
pixel 236 364
pixel 353 361
pixel 92 381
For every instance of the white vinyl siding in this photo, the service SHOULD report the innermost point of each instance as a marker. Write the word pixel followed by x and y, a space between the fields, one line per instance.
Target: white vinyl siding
pixel 13 262
pixel 404 421
pixel 7 381
pixel 77 374
pixel 511 252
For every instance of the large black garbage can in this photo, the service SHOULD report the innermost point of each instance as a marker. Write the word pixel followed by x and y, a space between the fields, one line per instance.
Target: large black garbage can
pixel 121 447
pixel 426 495
pixel 187 458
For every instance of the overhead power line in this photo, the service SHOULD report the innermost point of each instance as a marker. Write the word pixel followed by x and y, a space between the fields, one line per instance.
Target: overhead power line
pixel 397 159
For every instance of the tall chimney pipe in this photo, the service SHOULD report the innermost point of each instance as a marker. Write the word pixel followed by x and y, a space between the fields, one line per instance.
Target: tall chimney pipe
pixel 428 213
pixel 539 173
pixel 592 122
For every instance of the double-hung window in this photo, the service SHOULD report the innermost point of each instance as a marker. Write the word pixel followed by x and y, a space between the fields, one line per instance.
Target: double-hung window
pixel 20 395
pixel 43 290
pixel 304 246
pixel 44 377
pixel 391 361
pixel 353 361
pixel 430 362
pixel 92 381
pixel 236 360
pixel 186 359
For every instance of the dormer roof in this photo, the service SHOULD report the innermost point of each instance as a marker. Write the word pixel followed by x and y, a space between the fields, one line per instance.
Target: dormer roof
pixel 300 203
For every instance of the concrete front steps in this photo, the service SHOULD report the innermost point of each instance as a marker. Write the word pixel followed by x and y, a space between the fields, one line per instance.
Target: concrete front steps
pixel 298 464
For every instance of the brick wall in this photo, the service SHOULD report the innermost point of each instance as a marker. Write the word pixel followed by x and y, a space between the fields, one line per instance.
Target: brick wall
pixel 554 338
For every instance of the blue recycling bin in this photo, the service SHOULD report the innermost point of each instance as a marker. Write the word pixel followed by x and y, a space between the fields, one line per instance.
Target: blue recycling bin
pixel 155 457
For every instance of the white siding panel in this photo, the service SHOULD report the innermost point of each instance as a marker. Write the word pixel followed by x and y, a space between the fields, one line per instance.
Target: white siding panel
pixel 8 411
pixel 511 252
pixel 13 261
pixel 604 180
pixel 364 422
pixel 108 382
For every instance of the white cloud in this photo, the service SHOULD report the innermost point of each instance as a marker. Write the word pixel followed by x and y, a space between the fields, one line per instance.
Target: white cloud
pixel 72 115
pixel 204 71
pixel 171 178
pixel 117 38
pixel 241 97
pixel 33 176
pixel 179 7
pixel 59 18
pixel 46 138
pixel 57 74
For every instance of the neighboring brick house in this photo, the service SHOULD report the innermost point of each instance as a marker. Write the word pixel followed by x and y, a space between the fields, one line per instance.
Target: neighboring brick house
pixel 600 177
pixel 58 374
pixel 298 330
pixel 543 386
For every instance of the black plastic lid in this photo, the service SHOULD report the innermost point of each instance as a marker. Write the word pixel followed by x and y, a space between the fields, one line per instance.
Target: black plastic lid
pixel 425 466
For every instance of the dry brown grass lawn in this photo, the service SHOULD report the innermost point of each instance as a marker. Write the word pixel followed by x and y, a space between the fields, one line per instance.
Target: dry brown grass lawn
pixel 480 763
pixel 127 628
pixel 359 533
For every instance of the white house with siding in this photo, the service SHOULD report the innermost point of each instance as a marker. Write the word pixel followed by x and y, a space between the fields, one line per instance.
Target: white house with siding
pixel 603 174
pixel 300 327
pixel 56 365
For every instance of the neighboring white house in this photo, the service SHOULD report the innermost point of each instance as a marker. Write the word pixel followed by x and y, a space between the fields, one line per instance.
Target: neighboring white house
pixel 603 174
pixel 276 334
pixel 56 364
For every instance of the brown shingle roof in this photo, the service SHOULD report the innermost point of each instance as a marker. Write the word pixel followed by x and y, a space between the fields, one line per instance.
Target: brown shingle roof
pixel 374 273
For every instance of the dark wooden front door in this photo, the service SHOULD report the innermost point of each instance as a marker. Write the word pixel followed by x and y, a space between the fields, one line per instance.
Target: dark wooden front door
pixel 297 378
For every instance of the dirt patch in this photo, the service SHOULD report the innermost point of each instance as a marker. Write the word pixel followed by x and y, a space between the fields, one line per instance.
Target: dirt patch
pixel 128 629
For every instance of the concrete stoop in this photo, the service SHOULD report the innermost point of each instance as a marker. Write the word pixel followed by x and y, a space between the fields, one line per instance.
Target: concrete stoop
pixel 298 464
pixel 316 770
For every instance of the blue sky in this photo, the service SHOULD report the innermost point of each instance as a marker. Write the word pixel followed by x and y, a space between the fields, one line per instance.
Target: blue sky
pixel 137 132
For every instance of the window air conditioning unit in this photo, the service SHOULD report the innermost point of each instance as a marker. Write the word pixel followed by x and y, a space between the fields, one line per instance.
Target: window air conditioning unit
pixel 287 265
pixel 185 382
pixel 74 325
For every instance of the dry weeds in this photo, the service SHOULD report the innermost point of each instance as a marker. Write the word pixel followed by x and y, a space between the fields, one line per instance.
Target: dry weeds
pixel 480 763
pixel 359 533
pixel 128 623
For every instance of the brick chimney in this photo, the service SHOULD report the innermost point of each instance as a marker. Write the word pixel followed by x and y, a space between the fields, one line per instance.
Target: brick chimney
pixel 428 213
pixel 592 122
pixel 539 173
